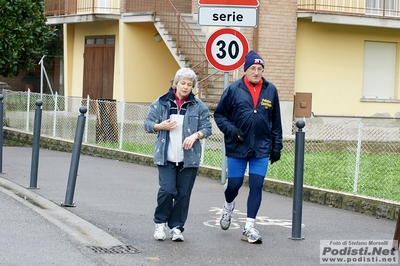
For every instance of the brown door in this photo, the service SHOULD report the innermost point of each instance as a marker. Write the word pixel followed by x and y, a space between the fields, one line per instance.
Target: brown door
pixel 98 72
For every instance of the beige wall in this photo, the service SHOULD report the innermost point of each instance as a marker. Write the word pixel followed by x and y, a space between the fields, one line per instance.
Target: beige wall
pixel 143 67
pixel 148 65
pixel 329 64
pixel 68 58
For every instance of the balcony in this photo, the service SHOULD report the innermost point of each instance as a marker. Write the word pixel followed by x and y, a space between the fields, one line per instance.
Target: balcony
pixel 76 7
pixel 375 13
pixel 73 11
pixel 379 8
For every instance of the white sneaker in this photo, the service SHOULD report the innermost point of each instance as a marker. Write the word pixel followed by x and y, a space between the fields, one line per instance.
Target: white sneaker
pixel 251 235
pixel 159 232
pixel 226 216
pixel 176 235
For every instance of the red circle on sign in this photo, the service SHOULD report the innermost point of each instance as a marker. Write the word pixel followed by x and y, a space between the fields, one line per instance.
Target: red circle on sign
pixel 233 64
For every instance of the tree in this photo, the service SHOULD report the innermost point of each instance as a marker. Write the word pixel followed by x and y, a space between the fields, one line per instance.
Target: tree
pixel 24 35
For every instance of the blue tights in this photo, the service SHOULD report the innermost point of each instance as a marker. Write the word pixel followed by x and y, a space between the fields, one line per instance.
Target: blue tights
pixel 257 170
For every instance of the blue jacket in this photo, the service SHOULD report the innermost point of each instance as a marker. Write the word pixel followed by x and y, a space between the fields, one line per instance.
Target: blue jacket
pixel 197 118
pixel 261 126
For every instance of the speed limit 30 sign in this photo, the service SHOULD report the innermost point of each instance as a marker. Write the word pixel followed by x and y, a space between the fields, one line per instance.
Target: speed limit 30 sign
pixel 226 49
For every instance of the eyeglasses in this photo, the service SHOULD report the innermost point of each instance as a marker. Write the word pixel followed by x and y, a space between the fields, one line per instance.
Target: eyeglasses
pixel 256 69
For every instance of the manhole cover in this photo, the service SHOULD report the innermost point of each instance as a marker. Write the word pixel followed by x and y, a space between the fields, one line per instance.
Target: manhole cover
pixel 122 249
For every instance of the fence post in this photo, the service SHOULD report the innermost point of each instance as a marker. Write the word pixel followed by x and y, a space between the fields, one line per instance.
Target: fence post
pixel 356 172
pixel 76 152
pixel 55 115
pixel 88 111
pixel 28 108
pixel 298 182
pixel 1 134
pixel 121 134
pixel 36 144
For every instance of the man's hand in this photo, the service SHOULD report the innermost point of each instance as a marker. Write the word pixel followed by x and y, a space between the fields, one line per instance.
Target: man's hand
pixel 238 136
pixel 274 156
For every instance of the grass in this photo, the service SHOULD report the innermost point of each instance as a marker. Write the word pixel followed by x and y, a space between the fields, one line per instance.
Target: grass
pixel 378 174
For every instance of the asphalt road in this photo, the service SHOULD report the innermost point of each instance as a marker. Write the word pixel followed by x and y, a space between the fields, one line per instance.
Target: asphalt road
pixel 114 205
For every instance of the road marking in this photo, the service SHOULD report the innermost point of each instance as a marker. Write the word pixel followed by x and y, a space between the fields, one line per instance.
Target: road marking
pixel 239 217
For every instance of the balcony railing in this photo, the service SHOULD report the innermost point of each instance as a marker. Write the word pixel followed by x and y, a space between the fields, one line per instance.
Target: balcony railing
pixel 380 8
pixel 74 7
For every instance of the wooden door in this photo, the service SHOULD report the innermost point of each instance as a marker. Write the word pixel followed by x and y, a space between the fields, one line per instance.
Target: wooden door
pixel 98 76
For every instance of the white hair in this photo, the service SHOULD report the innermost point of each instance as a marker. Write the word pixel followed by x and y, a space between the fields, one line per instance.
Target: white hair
pixel 185 73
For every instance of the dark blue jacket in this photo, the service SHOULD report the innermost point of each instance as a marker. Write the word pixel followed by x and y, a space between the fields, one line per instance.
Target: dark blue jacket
pixel 261 126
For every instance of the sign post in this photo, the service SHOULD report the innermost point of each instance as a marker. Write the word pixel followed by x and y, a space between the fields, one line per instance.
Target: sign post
pixel 226 48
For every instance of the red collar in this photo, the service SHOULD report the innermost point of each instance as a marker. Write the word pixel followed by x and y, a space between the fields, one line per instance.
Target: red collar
pixel 178 101
pixel 251 85
pixel 254 90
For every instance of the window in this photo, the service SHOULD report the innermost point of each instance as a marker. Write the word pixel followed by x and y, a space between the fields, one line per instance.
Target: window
pixel 100 40
pixel 375 7
pixel 103 6
pixel 379 77
pixel 392 7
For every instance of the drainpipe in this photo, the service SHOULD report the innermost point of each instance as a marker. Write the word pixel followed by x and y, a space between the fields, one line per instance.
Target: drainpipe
pixel 255 35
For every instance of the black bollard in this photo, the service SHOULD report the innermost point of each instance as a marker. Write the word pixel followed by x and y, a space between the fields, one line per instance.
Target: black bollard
pixel 36 145
pixel 1 134
pixel 298 182
pixel 76 152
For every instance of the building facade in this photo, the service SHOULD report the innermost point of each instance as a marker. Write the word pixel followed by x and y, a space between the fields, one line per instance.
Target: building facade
pixel 328 59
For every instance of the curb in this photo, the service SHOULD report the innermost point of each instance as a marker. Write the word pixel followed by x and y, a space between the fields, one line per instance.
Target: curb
pixel 81 230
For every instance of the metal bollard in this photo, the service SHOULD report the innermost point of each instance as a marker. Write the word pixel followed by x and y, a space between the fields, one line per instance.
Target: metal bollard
pixel 76 152
pixel 1 134
pixel 298 182
pixel 36 145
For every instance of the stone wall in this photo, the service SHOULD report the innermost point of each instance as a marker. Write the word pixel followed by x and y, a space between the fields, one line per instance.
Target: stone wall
pixel 371 206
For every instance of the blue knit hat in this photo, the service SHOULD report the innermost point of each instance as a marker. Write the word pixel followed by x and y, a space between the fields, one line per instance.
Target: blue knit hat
pixel 252 58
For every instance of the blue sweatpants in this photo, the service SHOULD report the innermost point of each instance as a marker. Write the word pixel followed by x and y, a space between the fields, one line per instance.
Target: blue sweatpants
pixel 258 168
pixel 176 184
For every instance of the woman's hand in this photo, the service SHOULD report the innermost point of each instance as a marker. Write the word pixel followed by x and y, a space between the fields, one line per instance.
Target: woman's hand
pixel 166 125
pixel 189 141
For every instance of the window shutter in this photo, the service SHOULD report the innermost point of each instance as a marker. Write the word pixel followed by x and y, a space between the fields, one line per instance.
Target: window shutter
pixel 379 70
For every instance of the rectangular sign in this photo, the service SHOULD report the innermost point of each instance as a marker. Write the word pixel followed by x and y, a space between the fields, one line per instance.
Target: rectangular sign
pixel 358 252
pixel 227 16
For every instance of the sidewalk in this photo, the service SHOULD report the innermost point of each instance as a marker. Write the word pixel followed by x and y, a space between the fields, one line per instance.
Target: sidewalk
pixel 114 205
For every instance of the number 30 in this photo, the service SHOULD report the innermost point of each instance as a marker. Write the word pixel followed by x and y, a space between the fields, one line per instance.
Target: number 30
pixel 233 49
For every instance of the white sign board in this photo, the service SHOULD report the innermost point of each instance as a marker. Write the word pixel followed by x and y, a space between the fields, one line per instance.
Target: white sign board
pixel 227 16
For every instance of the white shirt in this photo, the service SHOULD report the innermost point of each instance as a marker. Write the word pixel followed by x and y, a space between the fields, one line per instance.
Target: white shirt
pixel 175 149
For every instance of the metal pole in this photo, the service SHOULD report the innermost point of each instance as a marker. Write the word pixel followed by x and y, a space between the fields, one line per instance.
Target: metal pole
pixel 41 76
pixel 224 164
pixel 360 128
pixel 55 115
pixel 122 124
pixel 1 134
pixel 298 182
pixel 36 144
pixel 28 108
pixel 76 152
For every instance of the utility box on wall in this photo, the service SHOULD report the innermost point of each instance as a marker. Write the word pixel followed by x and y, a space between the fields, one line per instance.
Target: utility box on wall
pixel 302 104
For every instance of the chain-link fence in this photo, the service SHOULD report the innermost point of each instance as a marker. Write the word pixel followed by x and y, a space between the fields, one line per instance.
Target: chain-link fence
pixel 360 159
